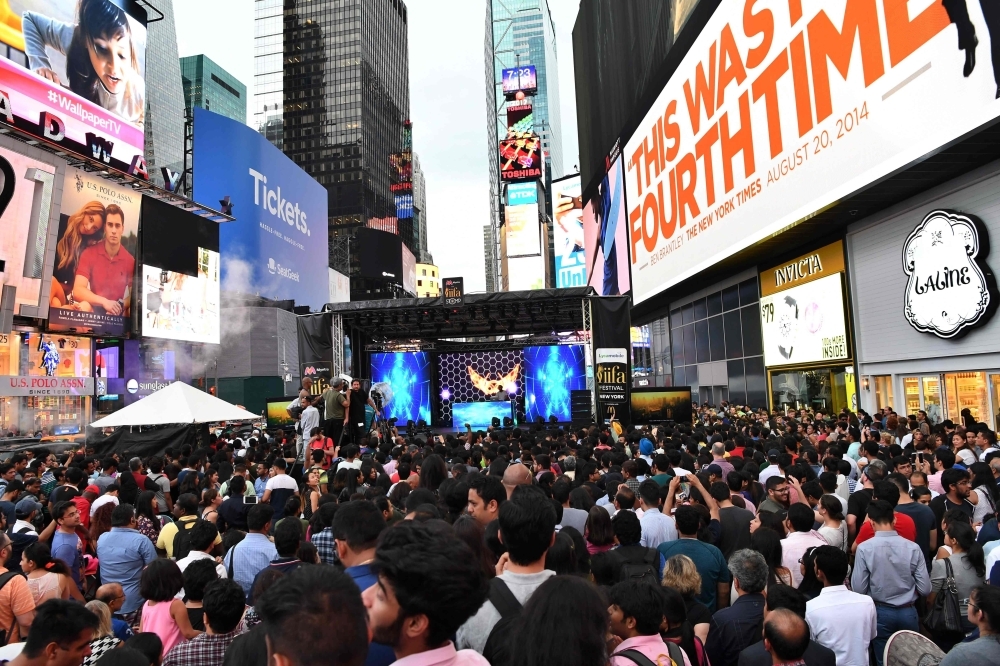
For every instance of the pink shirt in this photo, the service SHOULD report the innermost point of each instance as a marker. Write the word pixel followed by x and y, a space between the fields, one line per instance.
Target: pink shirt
pixel 652 647
pixel 794 546
pixel 158 620
pixel 444 656
pixel 934 482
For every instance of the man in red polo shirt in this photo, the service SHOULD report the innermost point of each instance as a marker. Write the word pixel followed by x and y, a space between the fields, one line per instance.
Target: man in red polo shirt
pixel 105 270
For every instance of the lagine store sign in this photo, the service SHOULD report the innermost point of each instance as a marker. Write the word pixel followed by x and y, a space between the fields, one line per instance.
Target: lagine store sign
pixel 782 108
pixel 46 386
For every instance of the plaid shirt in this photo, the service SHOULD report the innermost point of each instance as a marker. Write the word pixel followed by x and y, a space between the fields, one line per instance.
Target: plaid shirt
pixel 202 650
pixel 325 546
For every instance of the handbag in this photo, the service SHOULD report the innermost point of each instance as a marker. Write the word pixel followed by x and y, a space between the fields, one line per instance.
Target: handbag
pixel 945 617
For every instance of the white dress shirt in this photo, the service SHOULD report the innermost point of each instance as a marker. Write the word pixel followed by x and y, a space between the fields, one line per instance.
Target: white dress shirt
pixel 656 528
pixel 843 621
pixel 794 546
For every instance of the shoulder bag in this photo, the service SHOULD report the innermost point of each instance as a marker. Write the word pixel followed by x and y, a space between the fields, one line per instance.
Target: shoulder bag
pixel 946 615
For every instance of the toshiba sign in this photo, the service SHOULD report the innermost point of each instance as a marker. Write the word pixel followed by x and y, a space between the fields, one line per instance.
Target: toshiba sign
pixel 782 107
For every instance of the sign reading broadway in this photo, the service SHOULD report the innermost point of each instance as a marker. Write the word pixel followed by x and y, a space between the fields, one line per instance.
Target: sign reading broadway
pixel 782 107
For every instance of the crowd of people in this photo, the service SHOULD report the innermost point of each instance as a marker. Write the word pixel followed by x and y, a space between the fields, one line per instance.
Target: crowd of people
pixel 744 538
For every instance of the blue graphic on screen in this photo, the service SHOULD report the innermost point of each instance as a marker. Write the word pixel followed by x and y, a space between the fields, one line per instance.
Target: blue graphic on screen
pixel 277 247
pixel 478 414
pixel 409 375
pixel 549 376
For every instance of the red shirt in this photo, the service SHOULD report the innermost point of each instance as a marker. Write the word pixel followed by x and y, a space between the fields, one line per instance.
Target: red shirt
pixel 108 276
pixel 738 452
pixel 905 527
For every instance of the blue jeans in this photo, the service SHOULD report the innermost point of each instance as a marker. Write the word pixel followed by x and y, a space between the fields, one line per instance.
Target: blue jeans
pixel 890 620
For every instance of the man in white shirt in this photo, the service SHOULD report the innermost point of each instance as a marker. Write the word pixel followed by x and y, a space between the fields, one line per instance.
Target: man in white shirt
pixel 308 420
pixel 772 468
pixel 110 496
pixel 25 511
pixel 657 528
pixel 839 619
pixel 203 536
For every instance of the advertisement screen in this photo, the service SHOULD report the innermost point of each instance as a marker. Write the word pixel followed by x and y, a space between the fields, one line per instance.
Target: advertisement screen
pixel 277 247
pixel 409 375
pixel 21 194
pixel 605 233
pixel 340 287
pixel 404 206
pixel 521 157
pixel 95 256
pixel 519 117
pixel 379 255
pixel 522 193
pixel 73 72
pixel 520 79
pixel 54 355
pixel 659 405
pixel 522 230
pixel 180 274
pixel 409 270
pixel 479 415
pixel 525 273
pixel 550 373
pixel 805 324
pixel 567 206
pixel 277 413
pixel 488 376
pixel 772 115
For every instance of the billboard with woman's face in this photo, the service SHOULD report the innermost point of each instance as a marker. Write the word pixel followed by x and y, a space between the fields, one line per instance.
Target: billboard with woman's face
pixel 72 72
pixel 95 256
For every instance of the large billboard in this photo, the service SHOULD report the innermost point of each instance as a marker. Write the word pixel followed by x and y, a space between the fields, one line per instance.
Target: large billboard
pixel 92 276
pixel 409 270
pixel 522 230
pixel 409 375
pixel 180 274
pixel 72 72
pixel 521 157
pixel 605 233
pixel 277 247
pixel 520 79
pixel 571 267
pixel 805 324
pixel 780 109
pixel 526 273
pixel 379 255
pixel 25 185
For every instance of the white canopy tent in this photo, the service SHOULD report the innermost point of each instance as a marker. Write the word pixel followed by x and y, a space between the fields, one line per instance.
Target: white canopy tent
pixel 176 404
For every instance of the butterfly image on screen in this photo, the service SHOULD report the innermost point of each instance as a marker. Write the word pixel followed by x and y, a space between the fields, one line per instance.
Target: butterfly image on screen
pixel 491 386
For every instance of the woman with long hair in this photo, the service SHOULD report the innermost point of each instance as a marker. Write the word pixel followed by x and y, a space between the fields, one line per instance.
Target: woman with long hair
pixel 83 228
pixel 984 492
pixel 968 568
pixel 352 484
pixel 810 585
pixel 471 532
pixel 47 578
pixel 100 522
pixel 147 522
pixel 598 531
pixel 311 493
pixel 581 633
pixel 102 63
pixel 561 556
pixel 104 638
pixel 962 448
pixel 767 542
pixel 211 500
pixel 834 528
pixel 681 574
pixel 433 472
pixel 677 626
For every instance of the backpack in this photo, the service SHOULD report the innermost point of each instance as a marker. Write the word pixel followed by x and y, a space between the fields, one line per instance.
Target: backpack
pixel 497 650
pixel 182 540
pixel 644 570
pixel 673 651
pixel 5 634
pixel 19 541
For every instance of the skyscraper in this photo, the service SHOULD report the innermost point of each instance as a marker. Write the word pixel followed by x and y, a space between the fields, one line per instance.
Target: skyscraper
pixel 332 91
pixel 208 86
pixel 490 247
pixel 518 33
pixel 164 97
pixel 422 250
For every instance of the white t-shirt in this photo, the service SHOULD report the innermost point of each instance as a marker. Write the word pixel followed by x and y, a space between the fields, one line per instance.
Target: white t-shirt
pixel 281 482
pixel 101 501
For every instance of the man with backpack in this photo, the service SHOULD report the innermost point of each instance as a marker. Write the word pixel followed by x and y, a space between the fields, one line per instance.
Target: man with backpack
pixel 527 529
pixel 185 513
pixel 631 560
pixel 22 533
pixel 737 627
pixel 636 612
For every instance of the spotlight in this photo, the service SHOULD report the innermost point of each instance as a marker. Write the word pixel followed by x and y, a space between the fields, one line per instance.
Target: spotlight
pixel 445 394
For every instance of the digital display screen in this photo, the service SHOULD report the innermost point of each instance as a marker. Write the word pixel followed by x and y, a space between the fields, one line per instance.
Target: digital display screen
pixel 521 157
pixel 550 373
pixel 567 208
pixel 520 118
pixel 379 254
pixel 605 232
pixel 522 230
pixel 277 413
pixel 479 415
pixel 74 72
pixel 659 405
pixel 404 206
pixel 522 193
pixel 486 376
pixel 805 324
pixel 520 79
pixel 409 375
pixel 525 273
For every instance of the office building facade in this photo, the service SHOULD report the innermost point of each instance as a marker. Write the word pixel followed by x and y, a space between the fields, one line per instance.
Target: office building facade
pixel 208 86
pixel 164 127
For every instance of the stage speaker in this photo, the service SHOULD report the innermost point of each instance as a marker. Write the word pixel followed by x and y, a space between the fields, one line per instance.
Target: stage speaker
pixel 580 408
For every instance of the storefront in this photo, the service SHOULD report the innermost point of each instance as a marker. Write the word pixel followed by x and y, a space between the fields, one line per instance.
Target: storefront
pixel 806 333
pixel 46 383
pixel 924 297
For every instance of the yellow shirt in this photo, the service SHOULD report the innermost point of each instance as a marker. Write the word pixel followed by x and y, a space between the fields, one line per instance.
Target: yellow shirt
pixel 166 539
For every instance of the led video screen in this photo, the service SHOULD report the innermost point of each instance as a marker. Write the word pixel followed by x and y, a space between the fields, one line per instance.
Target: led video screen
pixel 489 376
pixel 520 79
pixel 567 205
pixel 605 232
pixel 521 157
pixel 409 376
pixel 277 413
pixel 659 405
pixel 479 415
pixel 550 373
pixel 523 233
pixel 73 73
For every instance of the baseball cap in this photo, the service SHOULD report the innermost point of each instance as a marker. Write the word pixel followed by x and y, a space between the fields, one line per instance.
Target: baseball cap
pixel 714 469
pixel 24 508
pixel 91 489
pixel 773 453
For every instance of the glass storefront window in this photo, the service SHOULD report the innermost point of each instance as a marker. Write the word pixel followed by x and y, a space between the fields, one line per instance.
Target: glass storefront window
pixel 822 389
pixel 10 353
pixel 995 394
pixel 967 390
pixel 24 416
pixel 932 398
pixel 911 389
pixel 883 391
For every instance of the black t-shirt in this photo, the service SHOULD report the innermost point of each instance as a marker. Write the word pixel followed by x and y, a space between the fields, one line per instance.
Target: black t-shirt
pixel 923 519
pixel 941 505
pixel 197 618
pixel 735 529
pixel 697 613
pixel 63 494
pixel 357 410
pixel 857 503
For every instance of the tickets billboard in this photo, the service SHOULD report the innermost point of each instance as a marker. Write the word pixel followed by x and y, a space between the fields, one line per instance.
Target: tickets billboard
pixel 780 109
pixel 72 72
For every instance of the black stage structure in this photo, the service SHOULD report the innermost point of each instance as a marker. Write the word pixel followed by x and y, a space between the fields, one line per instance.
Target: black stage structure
pixel 344 335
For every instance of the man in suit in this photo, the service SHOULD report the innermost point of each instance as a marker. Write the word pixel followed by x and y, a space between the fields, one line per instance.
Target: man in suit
pixel 958 13
pixel 787 597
